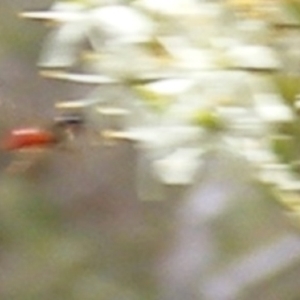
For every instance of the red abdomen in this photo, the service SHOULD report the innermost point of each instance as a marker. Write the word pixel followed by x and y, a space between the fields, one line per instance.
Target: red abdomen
pixel 28 138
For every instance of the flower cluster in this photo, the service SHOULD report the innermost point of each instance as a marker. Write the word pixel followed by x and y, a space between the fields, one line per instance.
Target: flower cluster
pixel 180 78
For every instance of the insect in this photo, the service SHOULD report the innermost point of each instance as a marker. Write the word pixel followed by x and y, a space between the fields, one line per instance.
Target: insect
pixel 29 144
pixel 38 137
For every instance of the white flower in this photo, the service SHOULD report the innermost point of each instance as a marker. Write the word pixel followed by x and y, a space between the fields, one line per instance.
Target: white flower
pixel 172 87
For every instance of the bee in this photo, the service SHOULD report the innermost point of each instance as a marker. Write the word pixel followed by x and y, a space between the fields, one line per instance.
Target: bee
pixel 29 144
pixel 38 137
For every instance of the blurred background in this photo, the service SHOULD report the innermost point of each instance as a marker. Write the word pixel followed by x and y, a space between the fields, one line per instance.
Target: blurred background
pixel 72 226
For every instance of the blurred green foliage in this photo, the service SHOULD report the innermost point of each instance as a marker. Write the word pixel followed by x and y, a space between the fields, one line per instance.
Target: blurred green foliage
pixel 17 36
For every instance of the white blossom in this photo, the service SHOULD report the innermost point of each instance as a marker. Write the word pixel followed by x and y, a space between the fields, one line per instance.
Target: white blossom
pixel 178 87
